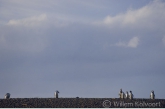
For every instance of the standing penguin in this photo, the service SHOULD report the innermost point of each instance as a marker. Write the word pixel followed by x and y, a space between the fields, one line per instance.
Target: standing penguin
pixel 7 96
pixel 121 94
pixel 130 95
pixel 56 94
pixel 126 95
pixel 152 95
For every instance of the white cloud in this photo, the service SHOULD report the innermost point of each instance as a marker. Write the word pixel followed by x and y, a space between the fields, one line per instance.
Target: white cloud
pixel 150 16
pixel 133 43
pixel 113 20
pixel 121 44
pixel 31 21
pixel 25 39
pixel 56 20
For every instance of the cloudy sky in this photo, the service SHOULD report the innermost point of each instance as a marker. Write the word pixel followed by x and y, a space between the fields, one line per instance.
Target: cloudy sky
pixel 84 48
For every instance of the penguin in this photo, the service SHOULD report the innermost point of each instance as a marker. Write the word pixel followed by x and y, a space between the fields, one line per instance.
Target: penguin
pixel 130 95
pixel 56 94
pixel 126 95
pixel 152 95
pixel 7 96
pixel 120 92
